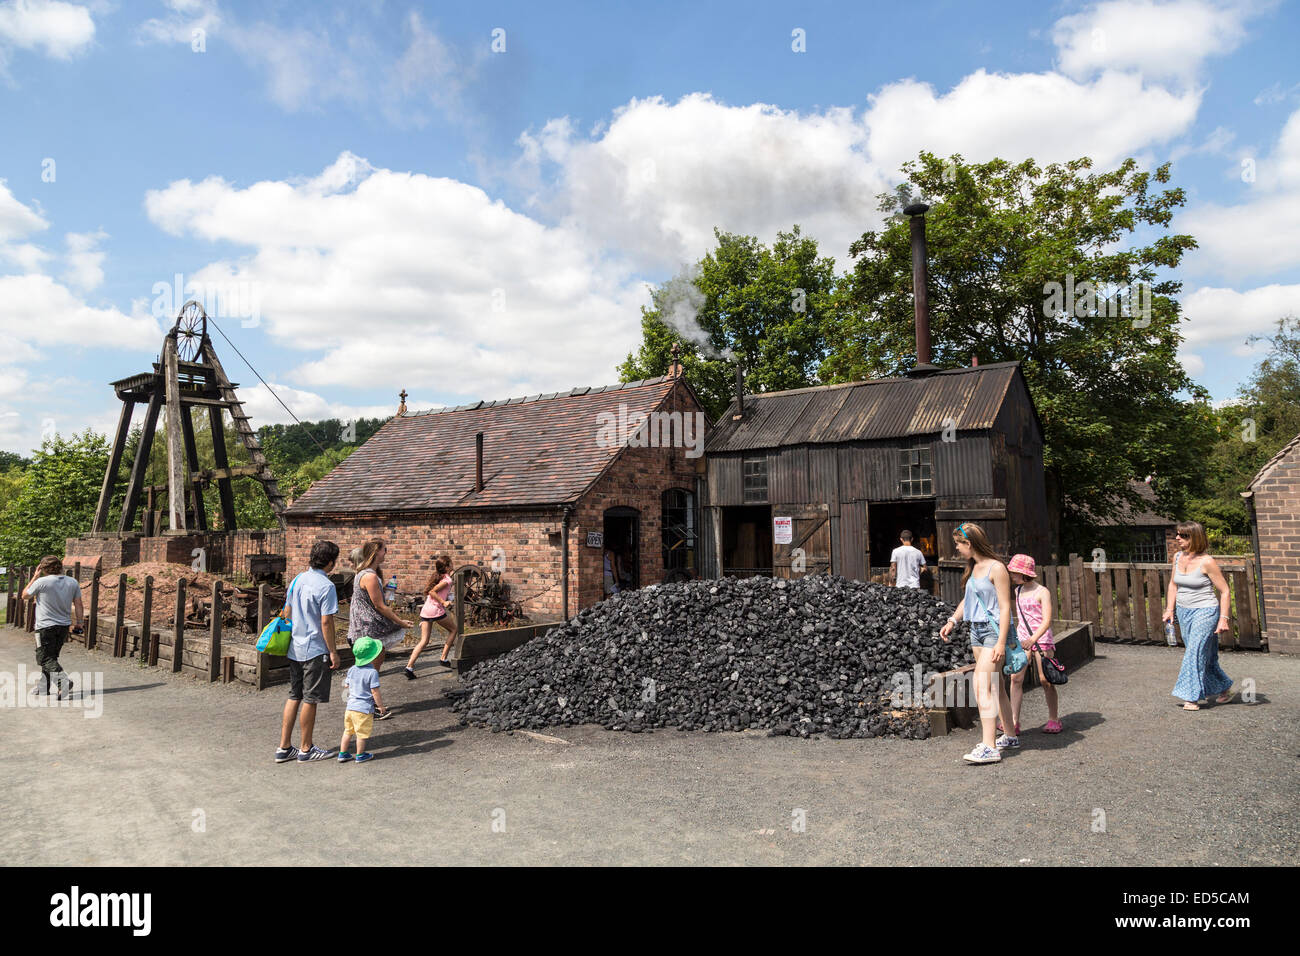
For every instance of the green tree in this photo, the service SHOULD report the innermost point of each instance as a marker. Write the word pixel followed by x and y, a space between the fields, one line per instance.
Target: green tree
pixel 1265 416
pixel 57 499
pixel 1006 245
pixel 768 308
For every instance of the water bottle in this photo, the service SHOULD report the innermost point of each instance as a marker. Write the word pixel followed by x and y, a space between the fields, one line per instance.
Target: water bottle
pixel 1170 638
pixel 390 590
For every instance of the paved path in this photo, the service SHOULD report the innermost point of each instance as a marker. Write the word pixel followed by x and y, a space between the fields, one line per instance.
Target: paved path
pixel 179 772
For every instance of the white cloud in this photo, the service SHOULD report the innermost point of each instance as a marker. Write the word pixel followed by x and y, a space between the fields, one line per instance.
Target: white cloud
pixel 17 220
pixel 407 280
pixel 40 314
pixel 85 260
pixel 655 181
pixel 1224 317
pixel 1013 116
pixel 1163 40
pixel 59 29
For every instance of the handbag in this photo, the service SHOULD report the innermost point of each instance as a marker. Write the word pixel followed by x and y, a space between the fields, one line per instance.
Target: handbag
pixel 278 632
pixel 1017 659
pixel 1053 670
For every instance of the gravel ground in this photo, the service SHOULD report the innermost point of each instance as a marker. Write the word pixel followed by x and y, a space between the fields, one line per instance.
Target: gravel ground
pixel 179 772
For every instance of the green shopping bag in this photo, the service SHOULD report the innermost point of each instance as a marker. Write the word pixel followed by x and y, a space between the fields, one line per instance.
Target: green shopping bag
pixel 276 635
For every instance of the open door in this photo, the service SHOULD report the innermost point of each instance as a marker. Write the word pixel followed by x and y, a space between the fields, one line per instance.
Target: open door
pixel 801 540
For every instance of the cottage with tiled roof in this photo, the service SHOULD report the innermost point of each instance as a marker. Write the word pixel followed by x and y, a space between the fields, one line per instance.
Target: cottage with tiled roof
pixel 536 487
pixel 1274 498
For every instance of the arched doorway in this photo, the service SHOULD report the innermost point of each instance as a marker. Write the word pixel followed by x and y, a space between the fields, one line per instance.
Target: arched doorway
pixel 622 527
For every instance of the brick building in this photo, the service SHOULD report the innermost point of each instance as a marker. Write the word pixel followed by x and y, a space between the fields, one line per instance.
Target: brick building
pixel 1274 498
pixel 529 486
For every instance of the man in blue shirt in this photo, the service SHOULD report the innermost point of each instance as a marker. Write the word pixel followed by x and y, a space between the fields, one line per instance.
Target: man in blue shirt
pixel 312 603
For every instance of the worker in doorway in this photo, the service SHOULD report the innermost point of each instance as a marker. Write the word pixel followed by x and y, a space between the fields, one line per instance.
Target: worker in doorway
pixel 905 563
pixel 611 572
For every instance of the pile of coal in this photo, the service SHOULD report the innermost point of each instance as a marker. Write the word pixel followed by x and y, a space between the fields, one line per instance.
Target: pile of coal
pixel 809 656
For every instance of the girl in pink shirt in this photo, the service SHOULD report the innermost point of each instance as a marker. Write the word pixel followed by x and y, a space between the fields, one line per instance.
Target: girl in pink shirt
pixel 437 593
pixel 1034 629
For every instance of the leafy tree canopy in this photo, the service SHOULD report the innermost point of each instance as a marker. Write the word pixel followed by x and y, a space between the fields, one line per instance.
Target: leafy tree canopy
pixel 56 500
pixel 768 307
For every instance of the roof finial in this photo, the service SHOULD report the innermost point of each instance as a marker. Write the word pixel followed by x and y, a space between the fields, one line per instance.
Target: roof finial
pixel 401 409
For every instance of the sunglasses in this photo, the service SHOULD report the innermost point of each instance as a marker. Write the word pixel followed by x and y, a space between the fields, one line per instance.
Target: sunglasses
pixel 1179 534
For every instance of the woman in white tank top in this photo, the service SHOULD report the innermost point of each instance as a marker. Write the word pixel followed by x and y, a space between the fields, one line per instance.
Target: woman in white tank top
pixel 1192 598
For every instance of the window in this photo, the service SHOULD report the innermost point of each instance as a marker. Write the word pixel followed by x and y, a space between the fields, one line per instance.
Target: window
pixel 914 474
pixel 755 475
pixel 679 529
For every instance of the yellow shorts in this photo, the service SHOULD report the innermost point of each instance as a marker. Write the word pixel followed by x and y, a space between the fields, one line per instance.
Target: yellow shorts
pixel 358 724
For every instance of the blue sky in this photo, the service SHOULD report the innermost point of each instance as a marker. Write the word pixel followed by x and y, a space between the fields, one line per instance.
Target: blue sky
pixel 402 205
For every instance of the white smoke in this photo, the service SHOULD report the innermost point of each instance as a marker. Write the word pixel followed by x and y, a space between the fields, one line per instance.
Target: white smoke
pixel 679 302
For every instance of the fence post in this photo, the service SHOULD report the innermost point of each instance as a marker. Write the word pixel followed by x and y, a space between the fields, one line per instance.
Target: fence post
pixel 1252 639
pixel 259 680
pixel 1155 606
pixel 214 634
pixel 119 635
pixel 1078 601
pixel 178 628
pixel 146 636
pixel 92 626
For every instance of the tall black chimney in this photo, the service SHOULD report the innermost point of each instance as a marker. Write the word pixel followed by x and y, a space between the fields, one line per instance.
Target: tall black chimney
pixel 478 462
pixel 920 281
pixel 740 392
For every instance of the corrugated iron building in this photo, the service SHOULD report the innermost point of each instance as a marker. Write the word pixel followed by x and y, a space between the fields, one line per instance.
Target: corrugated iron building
pixel 852 465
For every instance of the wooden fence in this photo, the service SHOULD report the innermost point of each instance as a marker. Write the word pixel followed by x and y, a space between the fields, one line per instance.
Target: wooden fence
pixel 1126 602
pixel 209 652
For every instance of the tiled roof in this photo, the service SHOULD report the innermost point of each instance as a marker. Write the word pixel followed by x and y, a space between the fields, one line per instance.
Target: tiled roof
pixel 876 409
pixel 1128 517
pixel 1273 462
pixel 540 449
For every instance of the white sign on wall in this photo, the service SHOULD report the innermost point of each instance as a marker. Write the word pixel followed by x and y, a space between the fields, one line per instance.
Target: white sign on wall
pixel 595 539
pixel 783 530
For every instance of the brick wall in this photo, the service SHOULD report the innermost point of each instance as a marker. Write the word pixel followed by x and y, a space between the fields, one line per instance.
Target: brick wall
pixel 226 552
pixel 1277 510
pixel 112 550
pixel 529 543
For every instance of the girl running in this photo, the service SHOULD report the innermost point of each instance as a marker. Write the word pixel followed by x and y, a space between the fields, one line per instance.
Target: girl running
pixel 437 592
pixel 1034 631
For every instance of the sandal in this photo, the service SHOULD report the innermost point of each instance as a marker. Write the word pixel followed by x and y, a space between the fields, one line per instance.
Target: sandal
pixel 1191 706
pixel 1052 727
pixel 1226 697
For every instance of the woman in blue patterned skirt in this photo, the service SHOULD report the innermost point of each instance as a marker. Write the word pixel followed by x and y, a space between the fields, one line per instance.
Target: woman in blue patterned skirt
pixel 1192 597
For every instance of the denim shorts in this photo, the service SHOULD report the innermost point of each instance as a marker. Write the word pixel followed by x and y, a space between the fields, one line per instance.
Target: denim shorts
pixel 983 634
